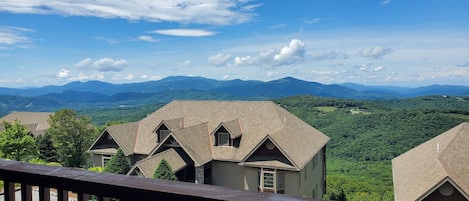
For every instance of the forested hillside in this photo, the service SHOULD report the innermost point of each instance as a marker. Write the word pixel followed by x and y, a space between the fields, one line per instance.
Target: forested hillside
pixel 365 135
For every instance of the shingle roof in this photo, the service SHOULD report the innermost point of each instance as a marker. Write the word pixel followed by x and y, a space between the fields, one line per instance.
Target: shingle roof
pixel 149 165
pixel 422 168
pixel 36 122
pixel 252 120
pixel 123 134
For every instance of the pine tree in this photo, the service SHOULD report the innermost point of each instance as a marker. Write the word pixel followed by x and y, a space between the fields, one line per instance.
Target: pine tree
pixel 46 148
pixel 118 164
pixel 164 171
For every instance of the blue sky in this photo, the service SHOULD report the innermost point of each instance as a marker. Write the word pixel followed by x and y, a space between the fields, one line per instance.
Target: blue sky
pixel 380 42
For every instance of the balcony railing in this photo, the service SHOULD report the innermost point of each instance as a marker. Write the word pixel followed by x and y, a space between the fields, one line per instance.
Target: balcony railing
pixel 82 183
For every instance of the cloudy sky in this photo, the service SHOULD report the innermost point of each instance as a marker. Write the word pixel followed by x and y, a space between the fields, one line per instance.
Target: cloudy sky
pixel 371 42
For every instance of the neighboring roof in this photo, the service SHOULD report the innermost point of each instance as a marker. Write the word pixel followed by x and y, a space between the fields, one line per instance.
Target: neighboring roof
pixel 36 122
pixel 252 121
pixel 195 142
pixel 149 165
pixel 122 134
pixel 443 158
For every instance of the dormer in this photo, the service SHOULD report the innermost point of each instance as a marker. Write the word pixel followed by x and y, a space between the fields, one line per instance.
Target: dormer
pixel 166 126
pixel 228 134
pixel 161 132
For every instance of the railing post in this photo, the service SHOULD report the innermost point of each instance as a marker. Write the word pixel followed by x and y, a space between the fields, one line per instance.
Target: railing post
pixel 83 196
pixel 44 193
pixel 62 195
pixel 26 192
pixel 9 189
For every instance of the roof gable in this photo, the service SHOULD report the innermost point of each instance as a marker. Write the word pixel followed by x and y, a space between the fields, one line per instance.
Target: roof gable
pixel 123 135
pixel 420 169
pixel 193 140
pixel 268 154
pixel 233 127
pixel 148 166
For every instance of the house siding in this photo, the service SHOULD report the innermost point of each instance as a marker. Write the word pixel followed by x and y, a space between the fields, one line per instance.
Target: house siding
pixel 228 174
pixel 312 178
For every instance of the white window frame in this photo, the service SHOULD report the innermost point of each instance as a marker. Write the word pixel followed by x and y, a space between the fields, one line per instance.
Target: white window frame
pixel 276 180
pixel 226 135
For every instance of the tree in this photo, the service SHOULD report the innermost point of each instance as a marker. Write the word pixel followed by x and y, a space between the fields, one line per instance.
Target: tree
pixel 118 163
pixel 46 148
pixel 71 135
pixel 16 143
pixel 164 171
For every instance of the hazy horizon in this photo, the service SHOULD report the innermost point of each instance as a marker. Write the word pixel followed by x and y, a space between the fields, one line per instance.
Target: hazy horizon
pixel 373 43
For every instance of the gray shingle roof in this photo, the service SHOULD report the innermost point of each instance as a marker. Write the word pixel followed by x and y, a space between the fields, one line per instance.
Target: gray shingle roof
pixel 36 122
pixel 149 165
pixel 445 157
pixel 252 120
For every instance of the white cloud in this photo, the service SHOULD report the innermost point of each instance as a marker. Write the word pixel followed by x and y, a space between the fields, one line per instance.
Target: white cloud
pixel 129 77
pixel 108 40
pixel 328 55
pixel 219 12
pixel 376 52
pixel 151 77
pixel 148 39
pixel 106 65
pixel 311 20
pixel 290 54
pixel 185 32
pixel 277 26
pixel 385 2
pixel 13 36
pixel 463 64
pixel 63 73
pixel 378 68
pixel 219 59
pixel 82 77
pixel 185 63
pixel 83 63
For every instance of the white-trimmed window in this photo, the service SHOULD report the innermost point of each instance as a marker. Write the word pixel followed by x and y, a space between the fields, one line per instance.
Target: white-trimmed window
pixel 223 139
pixel 106 159
pixel 272 180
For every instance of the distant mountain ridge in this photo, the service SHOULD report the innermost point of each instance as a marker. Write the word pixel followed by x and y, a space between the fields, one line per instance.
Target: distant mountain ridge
pixel 102 94
pixel 283 87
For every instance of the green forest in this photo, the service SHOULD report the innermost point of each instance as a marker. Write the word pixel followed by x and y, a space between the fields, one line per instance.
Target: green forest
pixel 366 135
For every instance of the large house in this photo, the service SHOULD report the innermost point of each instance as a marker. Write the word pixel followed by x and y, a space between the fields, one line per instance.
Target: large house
pixel 251 145
pixel 36 122
pixel 435 170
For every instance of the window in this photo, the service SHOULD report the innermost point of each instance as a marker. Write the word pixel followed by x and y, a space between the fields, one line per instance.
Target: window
pixel 268 180
pixel 163 134
pixel 223 139
pixel 272 181
pixel 106 159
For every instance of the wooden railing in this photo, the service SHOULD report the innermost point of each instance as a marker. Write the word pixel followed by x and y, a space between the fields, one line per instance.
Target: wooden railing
pixel 68 181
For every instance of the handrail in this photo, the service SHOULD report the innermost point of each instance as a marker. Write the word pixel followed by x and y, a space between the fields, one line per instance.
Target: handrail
pixel 122 187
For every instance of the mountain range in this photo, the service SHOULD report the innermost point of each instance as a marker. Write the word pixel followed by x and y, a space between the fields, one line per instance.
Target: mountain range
pixel 102 94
